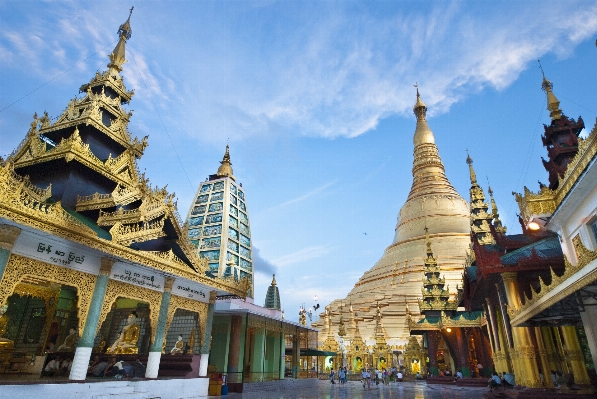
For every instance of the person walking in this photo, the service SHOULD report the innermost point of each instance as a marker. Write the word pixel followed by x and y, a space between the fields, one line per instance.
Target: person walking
pixel 332 377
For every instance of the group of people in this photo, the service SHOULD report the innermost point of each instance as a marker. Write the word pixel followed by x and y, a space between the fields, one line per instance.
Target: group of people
pixel 58 367
pixel 384 376
pixel 342 375
pixel 506 381
pixel 115 368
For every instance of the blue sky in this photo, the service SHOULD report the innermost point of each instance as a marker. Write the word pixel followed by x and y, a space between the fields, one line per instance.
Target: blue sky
pixel 315 99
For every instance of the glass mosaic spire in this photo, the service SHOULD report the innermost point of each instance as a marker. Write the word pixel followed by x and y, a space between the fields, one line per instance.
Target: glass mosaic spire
pixel 218 225
pixel 272 298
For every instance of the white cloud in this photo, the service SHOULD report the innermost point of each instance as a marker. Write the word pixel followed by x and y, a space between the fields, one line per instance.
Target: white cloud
pixel 302 255
pixel 303 197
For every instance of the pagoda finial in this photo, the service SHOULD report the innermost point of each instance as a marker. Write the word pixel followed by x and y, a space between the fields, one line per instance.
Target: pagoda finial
pixel 428 242
pixel 117 57
pixel 423 134
pixel 553 104
pixel 274 279
pixel 469 161
pixel 497 223
pixel 225 169
pixel 420 109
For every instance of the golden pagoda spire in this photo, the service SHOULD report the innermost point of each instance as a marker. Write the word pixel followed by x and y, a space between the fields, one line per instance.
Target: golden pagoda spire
pixel 429 175
pixel 117 57
pixel 553 104
pixel 274 280
pixel 225 169
pixel 497 223
pixel 480 219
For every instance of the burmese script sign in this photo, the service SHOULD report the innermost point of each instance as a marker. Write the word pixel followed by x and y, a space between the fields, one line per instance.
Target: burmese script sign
pixel 57 252
pixel 191 291
pixel 137 276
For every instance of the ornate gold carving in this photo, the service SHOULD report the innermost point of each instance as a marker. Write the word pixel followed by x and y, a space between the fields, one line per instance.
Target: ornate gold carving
pixel 531 204
pixel 15 199
pixel 19 267
pixel 459 321
pixel 129 234
pixel 168 282
pixel 73 148
pixel 116 289
pixel 584 257
pixel 8 236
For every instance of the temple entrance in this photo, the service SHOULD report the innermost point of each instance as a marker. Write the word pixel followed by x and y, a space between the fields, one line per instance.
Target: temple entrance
pixel 38 323
pixel 126 329
pixel 444 360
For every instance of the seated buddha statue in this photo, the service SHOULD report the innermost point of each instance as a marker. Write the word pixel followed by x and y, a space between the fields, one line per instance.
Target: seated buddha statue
pixel 178 346
pixel 69 342
pixel 4 342
pixel 359 364
pixel 415 368
pixel 127 340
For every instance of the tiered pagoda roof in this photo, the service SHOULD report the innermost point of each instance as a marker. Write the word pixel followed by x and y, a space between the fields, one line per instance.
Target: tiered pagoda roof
pixel 480 218
pixel 82 168
pixel 272 298
pixel 435 296
pixel 560 138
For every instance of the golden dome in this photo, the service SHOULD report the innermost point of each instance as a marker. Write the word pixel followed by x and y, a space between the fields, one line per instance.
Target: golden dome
pixel 225 169
pixel 396 277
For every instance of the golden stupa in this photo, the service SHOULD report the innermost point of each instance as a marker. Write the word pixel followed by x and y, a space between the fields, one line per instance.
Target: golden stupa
pixel 395 281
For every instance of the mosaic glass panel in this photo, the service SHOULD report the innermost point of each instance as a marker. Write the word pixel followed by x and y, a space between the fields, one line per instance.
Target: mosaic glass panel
pixel 210 255
pixel 212 242
pixel 219 186
pixel 202 198
pixel 233 188
pixel 245 264
pixel 198 210
pixel 244 229
pixel 233 199
pixel 241 194
pixel 243 218
pixel 245 240
pixel 217 196
pixel 196 221
pixel 233 233
pixel 233 222
pixel 232 246
pixel 233 211
pixel 216 207
pixel 242 206
pixel 245 252
pixel 195 233
pixel 213 218
pixel 205 188
pixel 214 267
pixel 231 256
pixel 212 230
pixel 195 243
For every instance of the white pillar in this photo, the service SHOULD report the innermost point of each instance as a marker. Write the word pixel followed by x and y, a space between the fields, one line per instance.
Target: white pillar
pixel 203 364
pixel 78 370
pixel 153 365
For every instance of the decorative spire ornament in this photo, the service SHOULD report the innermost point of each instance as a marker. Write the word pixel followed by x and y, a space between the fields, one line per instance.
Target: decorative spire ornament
pixel 117 57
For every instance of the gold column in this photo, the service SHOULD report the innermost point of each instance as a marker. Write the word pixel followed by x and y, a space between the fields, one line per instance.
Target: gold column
pixel 560 350
pixel 528 373
pixel 574 355
pixel 552 352
pixel 545 366
pixel 503 356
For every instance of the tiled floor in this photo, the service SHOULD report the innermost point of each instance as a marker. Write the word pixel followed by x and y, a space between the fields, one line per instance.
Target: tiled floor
pixel 354 390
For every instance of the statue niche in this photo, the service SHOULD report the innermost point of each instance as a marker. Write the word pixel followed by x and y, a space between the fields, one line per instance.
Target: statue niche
pixel 127 340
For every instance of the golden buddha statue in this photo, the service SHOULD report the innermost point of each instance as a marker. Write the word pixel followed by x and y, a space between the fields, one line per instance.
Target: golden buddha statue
pixel 382 363
pixel 69 342
pixel 127 341
pixel 415 367
pixel 178 346
pixel 359 364
pixel 4 342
